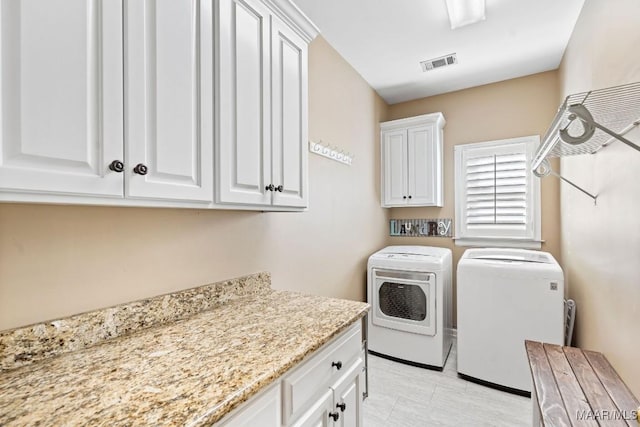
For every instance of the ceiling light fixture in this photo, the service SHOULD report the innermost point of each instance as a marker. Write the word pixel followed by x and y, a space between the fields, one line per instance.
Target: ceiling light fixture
pixel 465 12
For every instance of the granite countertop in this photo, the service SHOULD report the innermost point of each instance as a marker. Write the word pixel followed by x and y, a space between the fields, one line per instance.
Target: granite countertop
pixel 190 372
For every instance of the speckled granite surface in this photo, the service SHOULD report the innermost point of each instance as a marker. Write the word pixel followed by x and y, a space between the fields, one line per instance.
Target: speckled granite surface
pixel 24 345
pixel 189 372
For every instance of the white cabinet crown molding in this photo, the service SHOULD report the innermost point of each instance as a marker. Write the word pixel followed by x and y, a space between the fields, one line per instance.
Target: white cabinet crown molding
pixel 437 118
pixel 291 14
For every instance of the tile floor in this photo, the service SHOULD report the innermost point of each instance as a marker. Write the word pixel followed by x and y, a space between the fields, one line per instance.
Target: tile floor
pixel 405 396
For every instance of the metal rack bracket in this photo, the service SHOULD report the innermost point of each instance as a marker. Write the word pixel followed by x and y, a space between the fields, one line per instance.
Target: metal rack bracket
pixel 586 122
pixel 545 169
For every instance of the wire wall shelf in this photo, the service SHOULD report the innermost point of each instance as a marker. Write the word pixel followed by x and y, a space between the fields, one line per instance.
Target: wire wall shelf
pixel 588 121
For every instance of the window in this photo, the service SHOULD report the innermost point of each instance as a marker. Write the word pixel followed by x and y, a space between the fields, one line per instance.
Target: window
pixel 497 196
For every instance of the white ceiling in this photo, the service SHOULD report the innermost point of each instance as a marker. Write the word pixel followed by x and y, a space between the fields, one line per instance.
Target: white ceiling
pixel 385 40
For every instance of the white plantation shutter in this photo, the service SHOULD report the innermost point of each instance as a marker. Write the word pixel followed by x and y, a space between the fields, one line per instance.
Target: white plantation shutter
pixel 496 194
pixel 497 189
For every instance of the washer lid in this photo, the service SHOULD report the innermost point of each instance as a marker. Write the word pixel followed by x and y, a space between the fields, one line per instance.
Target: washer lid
pixel 510 255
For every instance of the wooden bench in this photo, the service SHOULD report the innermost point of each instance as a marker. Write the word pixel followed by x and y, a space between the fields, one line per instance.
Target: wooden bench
pixel 574 387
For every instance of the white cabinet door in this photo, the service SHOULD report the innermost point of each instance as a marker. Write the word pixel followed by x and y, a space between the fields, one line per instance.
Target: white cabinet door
pixel 412 161
pixel 348 396
pixel 318 413
pixel 289 112
pixel 394 183
pixel 423 166
pixel 243 148
pixel 169 94
pixel 61 96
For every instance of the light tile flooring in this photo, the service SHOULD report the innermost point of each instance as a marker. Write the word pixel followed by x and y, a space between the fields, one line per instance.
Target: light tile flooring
pixel 401 395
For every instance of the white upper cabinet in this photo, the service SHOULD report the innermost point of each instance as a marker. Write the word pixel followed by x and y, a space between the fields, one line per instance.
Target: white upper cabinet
pixel 169 100
pixel 262 104
pixel 67 128
pixel 289 110
pixel 394 147
pixel 143 103
pixel 412 161
pixel 61 89
pixel 424 157
pixel 244 125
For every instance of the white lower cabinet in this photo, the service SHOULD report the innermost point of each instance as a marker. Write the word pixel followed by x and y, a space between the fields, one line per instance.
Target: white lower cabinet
pixel 325 368
pixel 263 410
pixel 320 414
pixel 326 389
pixel 340 405
pixel 347 396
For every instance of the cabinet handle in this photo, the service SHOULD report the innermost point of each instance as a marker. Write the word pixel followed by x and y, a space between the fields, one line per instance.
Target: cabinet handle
pixel 270 187
pixel 342 406
pixel 140 169
pixel 337 364
pixel 334 415
pixel 279 188
pixel 116 166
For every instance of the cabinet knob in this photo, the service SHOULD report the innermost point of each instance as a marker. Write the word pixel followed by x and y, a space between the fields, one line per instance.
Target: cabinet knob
pixel 409 196
pixel 342 406
pixel 116 166
pixel 337 364
pixel 334 415
pixel 404 197
pixel 270 187
pixel 279 188
pixel 141 169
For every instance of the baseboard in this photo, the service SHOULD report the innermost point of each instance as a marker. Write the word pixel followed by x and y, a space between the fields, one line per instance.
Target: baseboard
pixel 407 362
pixel 495 386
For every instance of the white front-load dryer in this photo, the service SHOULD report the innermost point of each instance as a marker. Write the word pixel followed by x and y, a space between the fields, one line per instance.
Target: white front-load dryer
pixel 409 289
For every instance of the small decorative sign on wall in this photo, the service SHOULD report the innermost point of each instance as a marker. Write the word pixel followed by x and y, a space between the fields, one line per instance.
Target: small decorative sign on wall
pixel 440 227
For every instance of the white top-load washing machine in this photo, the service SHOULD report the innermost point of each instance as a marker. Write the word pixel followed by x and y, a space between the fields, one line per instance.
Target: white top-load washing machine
pixel 411 319
pixel 506 296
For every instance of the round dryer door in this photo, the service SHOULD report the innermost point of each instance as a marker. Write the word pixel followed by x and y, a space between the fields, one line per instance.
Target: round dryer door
pixel 404 301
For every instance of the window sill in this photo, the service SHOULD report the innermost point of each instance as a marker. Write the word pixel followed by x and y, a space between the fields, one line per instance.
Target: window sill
pixel 498 243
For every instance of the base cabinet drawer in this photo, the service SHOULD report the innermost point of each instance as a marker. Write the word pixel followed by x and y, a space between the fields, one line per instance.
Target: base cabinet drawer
pixel 314 376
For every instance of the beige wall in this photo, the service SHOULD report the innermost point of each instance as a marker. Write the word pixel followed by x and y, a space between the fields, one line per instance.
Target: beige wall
pixel 601 244
pixel 508 109
pixel 61 260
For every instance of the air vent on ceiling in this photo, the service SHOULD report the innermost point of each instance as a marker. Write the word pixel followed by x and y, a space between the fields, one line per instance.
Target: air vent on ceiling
pixel 443 61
